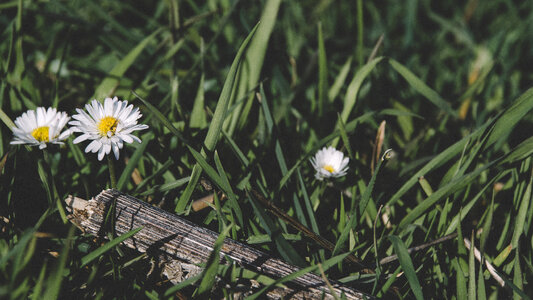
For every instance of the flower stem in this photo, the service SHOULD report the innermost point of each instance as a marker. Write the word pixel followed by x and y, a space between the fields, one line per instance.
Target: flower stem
pixel 112 174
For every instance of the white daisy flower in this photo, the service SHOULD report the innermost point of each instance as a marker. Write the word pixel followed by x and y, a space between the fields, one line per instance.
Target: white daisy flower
pixel 329 162
pixel 108 126
pixel 40 126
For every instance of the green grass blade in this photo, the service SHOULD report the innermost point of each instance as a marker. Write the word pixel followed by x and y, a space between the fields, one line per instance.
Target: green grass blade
pixel 108 246
pixel 108 86
pixel 407 266
pixel 54 281
pixel 210 171
pixel 442 193
pixel 322 71
pixel 481 293
pixel 512 115
pixel 159 116
pixel 517 279
pixel 185 283
pixel 460 280
pixel 465 209
pixel 273 230
pixel 228 190
pixel 335 88
pixel 198 118
pixel 210 271
pixel 166 186
pixel 326 265
pixel 365 199
pixel 520 152
pixel 350 97
pixel 522 213
pixel 215 127
pixel 253 62
pixel 471 271
pixel 6 119
pixel 421 87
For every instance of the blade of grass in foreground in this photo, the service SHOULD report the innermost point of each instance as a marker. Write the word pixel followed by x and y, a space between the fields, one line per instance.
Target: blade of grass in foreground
pixel 407 266
pixel 254 60
pixel 215 128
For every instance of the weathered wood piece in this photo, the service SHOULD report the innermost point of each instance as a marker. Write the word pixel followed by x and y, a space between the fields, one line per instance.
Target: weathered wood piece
pixel 184 246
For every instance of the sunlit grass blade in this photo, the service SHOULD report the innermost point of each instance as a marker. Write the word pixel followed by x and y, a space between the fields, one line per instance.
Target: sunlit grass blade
pixel 442 192
pixel 253 63
pixel 217 121
pixel 407 266
pixel 503 123
pixel 6 119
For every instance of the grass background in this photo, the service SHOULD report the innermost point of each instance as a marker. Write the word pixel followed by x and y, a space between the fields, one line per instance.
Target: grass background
pixel 450 79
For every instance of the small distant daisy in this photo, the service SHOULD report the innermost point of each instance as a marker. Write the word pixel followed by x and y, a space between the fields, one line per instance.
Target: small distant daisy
pixel 108 126
pixel 40 126
pixel 329 162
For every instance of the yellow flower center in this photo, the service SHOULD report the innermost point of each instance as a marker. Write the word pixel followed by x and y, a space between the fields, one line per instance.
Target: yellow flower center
pixel 106 125
pixel 41 134
pixel 328 168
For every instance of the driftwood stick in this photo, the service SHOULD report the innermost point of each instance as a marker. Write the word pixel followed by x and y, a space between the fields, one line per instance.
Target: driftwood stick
pixel 184 246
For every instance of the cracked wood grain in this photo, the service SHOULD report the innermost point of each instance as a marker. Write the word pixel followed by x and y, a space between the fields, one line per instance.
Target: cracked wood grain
pixel 183 246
